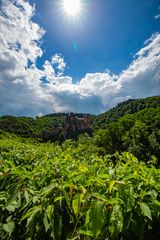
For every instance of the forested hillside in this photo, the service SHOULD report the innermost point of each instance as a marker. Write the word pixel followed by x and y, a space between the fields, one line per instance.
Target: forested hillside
pixel 132 126
pixel 130 106
pixel 137 133
pixel 42 128
pixel 30 127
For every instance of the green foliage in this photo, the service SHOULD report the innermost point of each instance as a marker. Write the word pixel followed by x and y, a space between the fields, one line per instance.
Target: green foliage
pixel 137 133
pixel 63 192
pixel 39 127
pixel 100 187
pixel 130 106
pixel 44 128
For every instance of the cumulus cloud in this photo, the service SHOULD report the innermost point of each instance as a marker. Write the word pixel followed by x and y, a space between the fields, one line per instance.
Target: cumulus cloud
pixel 27 90
pixel 21 90
pixel 60 64
pixel 19 46
pixel 142 77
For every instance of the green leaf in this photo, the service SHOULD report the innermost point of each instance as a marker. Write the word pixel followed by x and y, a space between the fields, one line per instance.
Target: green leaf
pixel 58 198
pixel 76 204
pixel 116 221
pixel 49 212
pixel 66 198
pixel 26 195
pixel 35 199
pixel 13 192
pixel 96 217
pixel 87 218
pixel 132 200
pixel 156 203
pixel 12 206
pixel 56 233
pixel 31 214
pixel 45 222
pixel 48 190
pixel 86 232
pixel 9 227
pixel 146 210
pixel 101 198
pixel 111 185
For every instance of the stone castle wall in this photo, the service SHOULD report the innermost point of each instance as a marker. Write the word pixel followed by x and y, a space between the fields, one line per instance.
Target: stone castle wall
pixel 73 123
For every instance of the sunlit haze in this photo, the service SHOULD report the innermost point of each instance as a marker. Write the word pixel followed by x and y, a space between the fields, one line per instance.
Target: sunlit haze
pixel 71 7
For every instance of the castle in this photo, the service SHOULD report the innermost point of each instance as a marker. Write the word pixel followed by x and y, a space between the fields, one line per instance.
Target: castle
pixel 73 123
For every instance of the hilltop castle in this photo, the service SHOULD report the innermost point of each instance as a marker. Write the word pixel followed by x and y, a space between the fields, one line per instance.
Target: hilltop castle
pixel 73 123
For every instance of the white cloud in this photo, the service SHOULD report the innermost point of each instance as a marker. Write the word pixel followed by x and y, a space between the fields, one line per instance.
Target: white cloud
pixel 142 77
pixel 27 90
pixel 59 62
pixel 54 69
pixel 48 71
pixel 20 90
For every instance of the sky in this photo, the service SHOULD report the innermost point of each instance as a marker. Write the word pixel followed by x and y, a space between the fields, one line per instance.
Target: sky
pixel 54 62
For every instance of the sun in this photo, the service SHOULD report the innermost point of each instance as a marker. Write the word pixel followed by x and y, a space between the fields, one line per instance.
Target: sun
pixel 72 7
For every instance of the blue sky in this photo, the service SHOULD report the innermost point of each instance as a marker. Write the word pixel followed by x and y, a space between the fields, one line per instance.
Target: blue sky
pixel 107 32
pixel 50 62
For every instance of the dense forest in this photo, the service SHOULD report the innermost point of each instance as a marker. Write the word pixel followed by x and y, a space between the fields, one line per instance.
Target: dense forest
pixel 98 184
